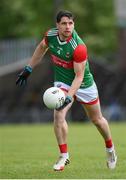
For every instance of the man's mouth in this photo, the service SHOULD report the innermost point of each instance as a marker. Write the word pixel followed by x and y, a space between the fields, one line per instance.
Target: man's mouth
pixel 67 31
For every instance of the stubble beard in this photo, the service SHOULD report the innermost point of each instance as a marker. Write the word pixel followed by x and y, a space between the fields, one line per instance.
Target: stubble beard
pixel 65 35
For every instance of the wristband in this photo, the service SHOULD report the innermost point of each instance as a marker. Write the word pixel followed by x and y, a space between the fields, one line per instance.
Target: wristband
pixel 28 68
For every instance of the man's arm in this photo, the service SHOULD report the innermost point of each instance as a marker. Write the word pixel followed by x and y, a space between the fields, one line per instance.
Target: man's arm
pixel 39 52
pixel 35 59
pixel 80 58
pixel 79 69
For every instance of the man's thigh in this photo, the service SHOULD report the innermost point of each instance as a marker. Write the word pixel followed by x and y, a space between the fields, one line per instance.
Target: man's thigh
pixel 93 111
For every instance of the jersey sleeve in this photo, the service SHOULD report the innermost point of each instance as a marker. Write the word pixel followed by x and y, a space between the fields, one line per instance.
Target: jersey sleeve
pixel 80 53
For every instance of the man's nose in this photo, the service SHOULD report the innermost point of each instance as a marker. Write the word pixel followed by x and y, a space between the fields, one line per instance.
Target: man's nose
pixel 67 25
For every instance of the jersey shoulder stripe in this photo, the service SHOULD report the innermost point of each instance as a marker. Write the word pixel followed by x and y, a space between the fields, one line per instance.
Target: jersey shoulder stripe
pixel 52 32
pixel 76 40
pixel 73 43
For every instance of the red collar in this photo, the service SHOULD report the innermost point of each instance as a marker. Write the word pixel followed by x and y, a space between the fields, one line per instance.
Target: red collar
pixel 69 38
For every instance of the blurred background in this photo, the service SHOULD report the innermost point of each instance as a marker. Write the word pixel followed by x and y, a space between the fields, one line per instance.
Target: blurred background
pixel 102 26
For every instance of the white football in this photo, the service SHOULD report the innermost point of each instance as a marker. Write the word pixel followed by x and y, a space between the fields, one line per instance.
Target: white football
pixel 53 97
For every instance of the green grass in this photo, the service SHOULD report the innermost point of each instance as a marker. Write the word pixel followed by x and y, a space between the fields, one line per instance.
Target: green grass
pixel 29 151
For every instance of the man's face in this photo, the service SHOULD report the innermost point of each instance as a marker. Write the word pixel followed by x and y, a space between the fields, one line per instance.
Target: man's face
pixel 65 27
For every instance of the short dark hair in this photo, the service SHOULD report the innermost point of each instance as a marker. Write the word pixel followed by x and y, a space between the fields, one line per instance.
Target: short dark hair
pixel 61 14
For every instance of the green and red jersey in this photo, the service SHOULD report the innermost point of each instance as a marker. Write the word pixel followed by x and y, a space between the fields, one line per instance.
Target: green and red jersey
pixel 64 53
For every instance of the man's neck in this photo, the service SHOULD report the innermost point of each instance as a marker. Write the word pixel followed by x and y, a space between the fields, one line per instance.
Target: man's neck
pixel 64 38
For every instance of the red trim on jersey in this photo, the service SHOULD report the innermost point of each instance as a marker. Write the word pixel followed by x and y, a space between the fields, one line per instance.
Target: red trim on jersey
pixel 69 38
pixel 80 53
pixel 60 62
pixel 90 103
pixel 46 41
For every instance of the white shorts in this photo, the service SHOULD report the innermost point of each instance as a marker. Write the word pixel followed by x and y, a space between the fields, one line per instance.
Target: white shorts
pixel 84 96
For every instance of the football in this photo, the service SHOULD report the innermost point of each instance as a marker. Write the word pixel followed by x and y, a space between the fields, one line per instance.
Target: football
pixel 53 97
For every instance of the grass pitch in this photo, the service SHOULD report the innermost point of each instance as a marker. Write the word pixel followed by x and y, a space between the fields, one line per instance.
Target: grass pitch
pixel 29 152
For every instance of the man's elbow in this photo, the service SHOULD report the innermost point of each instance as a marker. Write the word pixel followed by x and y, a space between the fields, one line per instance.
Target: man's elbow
pixel 80 79
pixel 43 45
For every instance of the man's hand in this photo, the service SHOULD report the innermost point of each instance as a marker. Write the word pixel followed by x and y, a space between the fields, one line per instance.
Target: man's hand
pixel 67 101
pixel 22 77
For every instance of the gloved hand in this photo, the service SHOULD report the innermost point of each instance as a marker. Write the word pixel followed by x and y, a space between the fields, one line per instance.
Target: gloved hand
pixel 67 101
pixel 22 77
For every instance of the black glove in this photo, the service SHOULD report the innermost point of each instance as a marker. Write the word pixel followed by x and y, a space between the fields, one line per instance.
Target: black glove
pixel 22 77
pixel 67 101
